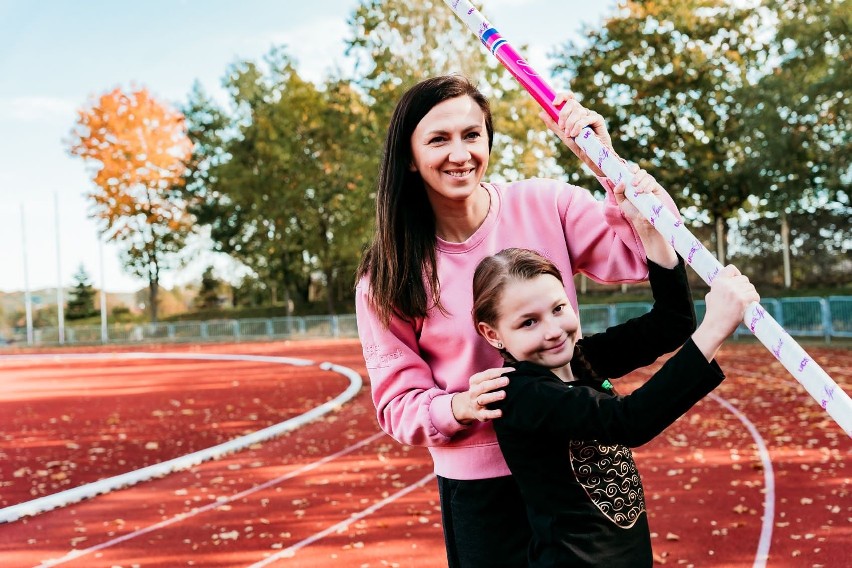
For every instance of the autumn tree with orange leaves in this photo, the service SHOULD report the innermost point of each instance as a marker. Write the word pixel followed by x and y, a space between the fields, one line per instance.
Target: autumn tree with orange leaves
pixel 137 148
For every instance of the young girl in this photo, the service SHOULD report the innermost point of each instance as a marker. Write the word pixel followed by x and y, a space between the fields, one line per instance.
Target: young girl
pixel 564 433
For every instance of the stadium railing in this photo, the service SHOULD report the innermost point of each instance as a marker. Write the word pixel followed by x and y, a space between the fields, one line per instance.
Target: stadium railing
pixel 826 318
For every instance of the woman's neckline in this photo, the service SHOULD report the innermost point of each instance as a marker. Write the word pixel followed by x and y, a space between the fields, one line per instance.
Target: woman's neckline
pixel 479 233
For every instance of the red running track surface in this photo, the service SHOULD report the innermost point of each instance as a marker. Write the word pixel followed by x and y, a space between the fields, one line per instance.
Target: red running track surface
pixel 337 492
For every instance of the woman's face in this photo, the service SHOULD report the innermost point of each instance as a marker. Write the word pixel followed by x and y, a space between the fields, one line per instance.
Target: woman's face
pixel 535 322
pixel 449 150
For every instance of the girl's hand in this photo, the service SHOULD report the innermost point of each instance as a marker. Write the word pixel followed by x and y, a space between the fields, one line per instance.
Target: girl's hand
pixel 573 117
pixel 729 296
pixel 484 388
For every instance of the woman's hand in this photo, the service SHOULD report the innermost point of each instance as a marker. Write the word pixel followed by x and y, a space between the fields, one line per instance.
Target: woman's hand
pixel 484 388
pixel 573 118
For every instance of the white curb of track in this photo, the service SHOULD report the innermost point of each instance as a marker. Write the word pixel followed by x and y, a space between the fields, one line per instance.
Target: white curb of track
pixel 70 496
pixel 762 555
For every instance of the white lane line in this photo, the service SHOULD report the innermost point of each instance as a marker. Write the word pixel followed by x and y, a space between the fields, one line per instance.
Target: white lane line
pixel 291 551
pixel 74 554
pixel 89 490
pixel 762 555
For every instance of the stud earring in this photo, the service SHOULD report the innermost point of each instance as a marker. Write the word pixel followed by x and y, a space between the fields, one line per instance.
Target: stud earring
pixel 499 345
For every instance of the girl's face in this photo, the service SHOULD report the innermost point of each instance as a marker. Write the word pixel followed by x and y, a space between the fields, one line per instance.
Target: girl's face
pixel 536 323
pixel 449 150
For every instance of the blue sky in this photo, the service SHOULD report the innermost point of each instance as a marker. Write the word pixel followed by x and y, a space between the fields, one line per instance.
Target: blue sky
pixel 55 55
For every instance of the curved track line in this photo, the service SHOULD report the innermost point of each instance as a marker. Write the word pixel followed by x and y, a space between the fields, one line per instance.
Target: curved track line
pixel 69 496
pixel 74 554
pixel 291 551
pixel 765 540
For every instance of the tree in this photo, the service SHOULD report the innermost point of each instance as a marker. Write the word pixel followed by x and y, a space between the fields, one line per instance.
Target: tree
pixel 667 75
pixel 138 149
pixel 798 118
pixel 208 291
pixel 286 186
pixel 81 304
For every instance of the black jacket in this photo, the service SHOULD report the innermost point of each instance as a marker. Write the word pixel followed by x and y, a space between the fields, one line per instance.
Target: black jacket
pixel 567 443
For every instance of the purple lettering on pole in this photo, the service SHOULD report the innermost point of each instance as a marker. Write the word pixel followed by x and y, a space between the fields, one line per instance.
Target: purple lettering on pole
pixel 603 155
pixel 829 391
pixel 678 223
pixel 696 246
pixel 758 315
pixel 655 214
pixel 671 242
pixel 527 68
pixel 777 349
pixel 469 12
pixel 456 4
pixel 803 363
pixel 712 276
pixel 587 133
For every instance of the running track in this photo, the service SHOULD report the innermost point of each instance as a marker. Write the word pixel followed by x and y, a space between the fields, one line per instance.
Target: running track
pixel 754 475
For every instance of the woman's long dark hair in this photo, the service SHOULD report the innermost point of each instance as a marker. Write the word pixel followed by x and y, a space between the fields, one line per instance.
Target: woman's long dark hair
pixel 400 262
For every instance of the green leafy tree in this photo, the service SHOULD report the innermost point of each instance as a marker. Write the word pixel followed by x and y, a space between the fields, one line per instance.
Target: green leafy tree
pixel 667 75
pixel 287 192
pixel 208 291
pixel 81 304
pixel 797 121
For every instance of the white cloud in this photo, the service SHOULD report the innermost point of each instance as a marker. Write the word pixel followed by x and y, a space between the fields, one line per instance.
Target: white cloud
pixel 317 47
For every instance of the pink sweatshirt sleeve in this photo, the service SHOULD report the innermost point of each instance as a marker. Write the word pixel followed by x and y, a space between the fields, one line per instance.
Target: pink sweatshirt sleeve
pixel 601 241
pixel 410 407
pixel 609 251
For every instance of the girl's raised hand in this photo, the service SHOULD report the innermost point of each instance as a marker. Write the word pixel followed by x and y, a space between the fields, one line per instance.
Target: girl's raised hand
pixel 730 294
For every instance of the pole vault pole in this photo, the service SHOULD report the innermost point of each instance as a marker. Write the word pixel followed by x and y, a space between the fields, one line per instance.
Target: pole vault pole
pixel 789 353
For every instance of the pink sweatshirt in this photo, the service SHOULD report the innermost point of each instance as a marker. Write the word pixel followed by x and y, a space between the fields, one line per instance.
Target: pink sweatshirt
pixel 416 367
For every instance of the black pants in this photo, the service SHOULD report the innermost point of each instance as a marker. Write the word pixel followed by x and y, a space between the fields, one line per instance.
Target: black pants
pixel 485 523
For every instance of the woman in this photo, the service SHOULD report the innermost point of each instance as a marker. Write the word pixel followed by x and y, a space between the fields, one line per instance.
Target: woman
pixel 435 220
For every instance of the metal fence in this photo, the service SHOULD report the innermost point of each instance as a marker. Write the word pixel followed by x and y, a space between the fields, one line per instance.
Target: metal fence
pixel 827 318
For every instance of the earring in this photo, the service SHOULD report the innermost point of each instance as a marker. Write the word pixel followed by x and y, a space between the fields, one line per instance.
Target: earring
pixel 499 345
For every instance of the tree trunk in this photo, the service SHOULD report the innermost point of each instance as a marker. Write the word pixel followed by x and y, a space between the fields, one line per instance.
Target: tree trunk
pixel 785 249
pixel 721 238
pixel 288 304
pixel 329 291
pixel 154 286
pixel 154 289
